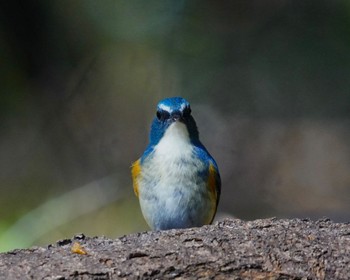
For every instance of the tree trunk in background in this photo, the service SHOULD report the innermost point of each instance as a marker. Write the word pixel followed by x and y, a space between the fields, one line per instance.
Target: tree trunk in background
pixel 231 249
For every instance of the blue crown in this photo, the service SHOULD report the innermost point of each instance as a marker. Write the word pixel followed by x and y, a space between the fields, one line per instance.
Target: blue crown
pixel 173 104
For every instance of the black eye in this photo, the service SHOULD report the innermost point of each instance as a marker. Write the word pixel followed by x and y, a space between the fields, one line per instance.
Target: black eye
pixel 162 115
pixel 187 112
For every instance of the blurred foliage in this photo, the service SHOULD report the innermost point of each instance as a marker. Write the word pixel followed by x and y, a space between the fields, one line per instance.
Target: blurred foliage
pixel 268 82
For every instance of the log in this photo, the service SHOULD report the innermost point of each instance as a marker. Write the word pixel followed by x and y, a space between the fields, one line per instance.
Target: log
pixel 230 249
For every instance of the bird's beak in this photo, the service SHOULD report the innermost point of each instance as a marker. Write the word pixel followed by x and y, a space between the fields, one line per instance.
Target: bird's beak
pixel 176 116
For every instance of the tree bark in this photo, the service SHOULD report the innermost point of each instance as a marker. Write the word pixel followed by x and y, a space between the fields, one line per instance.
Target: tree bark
pixel 231 249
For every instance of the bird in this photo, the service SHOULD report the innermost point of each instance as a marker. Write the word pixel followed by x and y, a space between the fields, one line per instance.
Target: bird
pixel 176 180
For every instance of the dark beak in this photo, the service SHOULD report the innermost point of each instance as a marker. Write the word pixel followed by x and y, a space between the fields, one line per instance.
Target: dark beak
pixel 176 116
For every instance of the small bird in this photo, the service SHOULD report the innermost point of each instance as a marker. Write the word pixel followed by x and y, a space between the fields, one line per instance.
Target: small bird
pixel 176 179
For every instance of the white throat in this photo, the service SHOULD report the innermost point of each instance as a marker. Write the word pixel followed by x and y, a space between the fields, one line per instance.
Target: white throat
pixel 175 141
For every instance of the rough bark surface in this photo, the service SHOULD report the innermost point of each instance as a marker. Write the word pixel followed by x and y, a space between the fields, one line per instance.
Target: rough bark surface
pixel 231 249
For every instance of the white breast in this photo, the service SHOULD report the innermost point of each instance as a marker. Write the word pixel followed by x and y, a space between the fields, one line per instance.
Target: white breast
pixel 173 157
pixel 170 189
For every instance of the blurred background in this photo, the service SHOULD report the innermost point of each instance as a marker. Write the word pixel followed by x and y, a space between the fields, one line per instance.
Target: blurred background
pixel 269 85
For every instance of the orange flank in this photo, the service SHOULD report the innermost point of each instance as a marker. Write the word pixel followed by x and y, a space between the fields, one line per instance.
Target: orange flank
pixel 212 181
pixel 135 172
pixel 212 184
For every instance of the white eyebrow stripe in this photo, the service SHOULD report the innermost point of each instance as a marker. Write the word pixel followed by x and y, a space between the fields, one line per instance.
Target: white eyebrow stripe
pixel 164 108
pixel 183 106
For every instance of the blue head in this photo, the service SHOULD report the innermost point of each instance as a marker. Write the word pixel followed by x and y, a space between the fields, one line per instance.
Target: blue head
pixel 170 111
